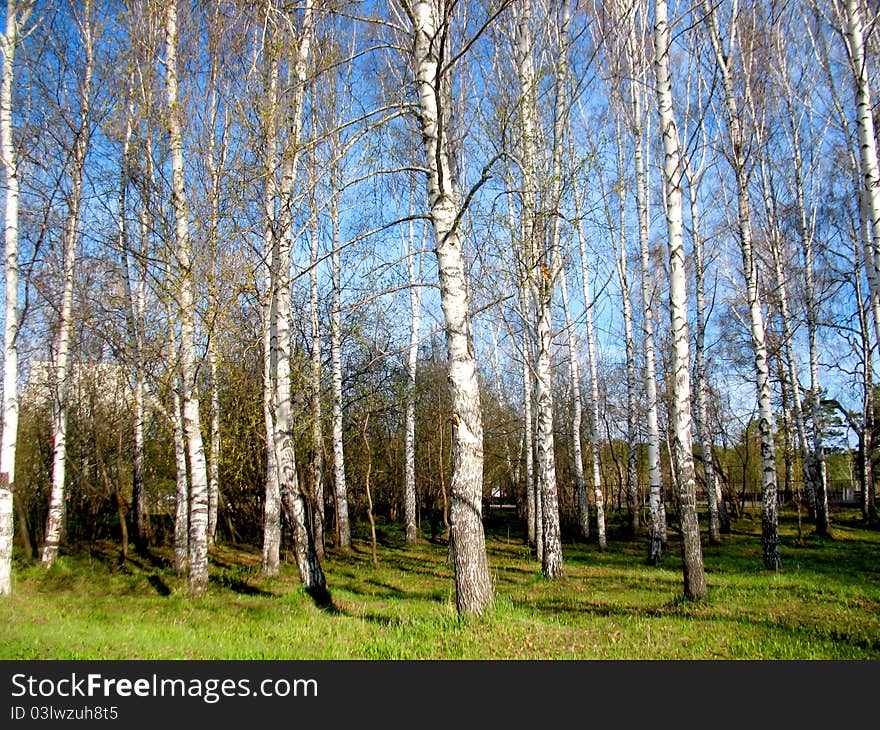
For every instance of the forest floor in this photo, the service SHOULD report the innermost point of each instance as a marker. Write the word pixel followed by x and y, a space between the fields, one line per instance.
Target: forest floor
pixel 824 603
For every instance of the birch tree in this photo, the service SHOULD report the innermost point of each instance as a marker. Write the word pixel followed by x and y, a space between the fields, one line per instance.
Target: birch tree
pixel 527 81
pixel 17 14
pixel 270 564
pixel 198 511
pixel 592 354
pixel 317 431
pixel 65 320
pixel 634 49
pixel 867 142
pixel 292 500
pixel 673 174
pixel 340 485
pixel 412 358
pixel 430 24
pixel 737 154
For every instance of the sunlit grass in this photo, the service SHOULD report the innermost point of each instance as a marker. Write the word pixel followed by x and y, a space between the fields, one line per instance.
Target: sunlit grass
pixel 823 604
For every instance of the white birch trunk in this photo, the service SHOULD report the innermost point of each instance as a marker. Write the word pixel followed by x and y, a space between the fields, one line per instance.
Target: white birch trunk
pixel 55 519
pixel 574 380
pixel 544 270
pixel 136 300
pixel 867 140
pixel 270 564
pixel 343 528
pixel 622 262
pixel 655 476
pixel 525 71
pixel 682 451
pixel 817 452
pixel 412 359
pixel 532 507
pixel 198 524
pixel 292 500
pixel 16 15
pixel 635 72
pixel 215 164
pixel 866 231
pixel 473 588
pixel 769 511
pixel 315 402
pixel 718 519
pixel 214 443
pixel 591 351
pixel 866 441
pixel 810 473
pixel 181 502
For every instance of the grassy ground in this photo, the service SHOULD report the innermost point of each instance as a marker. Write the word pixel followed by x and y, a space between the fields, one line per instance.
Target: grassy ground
pixel 823 604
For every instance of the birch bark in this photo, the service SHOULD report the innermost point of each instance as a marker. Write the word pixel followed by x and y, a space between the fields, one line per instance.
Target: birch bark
pixel 574 381
pixel 589 305
pixel 473 588
pixel 867 138
pixel 317 466
pixel 198 522
pixel 16 16
pixel 270 564
pixel 682 451
pixel 55 518
pixel 719 521
pixel 769 511
pixel 343 528
pixel 412 359
pixel 292 500
pixel 633 51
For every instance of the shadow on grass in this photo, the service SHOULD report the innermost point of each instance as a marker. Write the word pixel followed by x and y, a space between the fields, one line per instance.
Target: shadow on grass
pixel 161 587
pixel 323 601
pixel 236 585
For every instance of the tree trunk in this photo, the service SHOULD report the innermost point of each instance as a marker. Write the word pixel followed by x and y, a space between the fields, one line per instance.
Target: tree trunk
pixel 412 359
pixel 525 71
pixel 343 528
pixel 574 380
pixel 270 564
pixel 866 435
pixel 198 523
pixel 317 466
pixel 473 588
pixel 214 443
pixel 368 491
pixel 292 500
pixel 16 15
pixel 682 451
pixel 532 506
pixel 817 455
pixel 622 261
pixel 719 520
pixel 181 510
pixel 769 511
pixel 591 350
pixel 867 141
pixel 65 320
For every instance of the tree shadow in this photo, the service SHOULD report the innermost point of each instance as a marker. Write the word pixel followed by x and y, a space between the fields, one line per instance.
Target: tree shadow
pixel 236 585
pixel 161 587
pixel 321 596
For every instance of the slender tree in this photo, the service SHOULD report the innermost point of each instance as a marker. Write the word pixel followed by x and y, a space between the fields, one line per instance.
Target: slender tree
pixel 430 21
pixel 737 156
pixel 17 14
pixel 198 511
pixel 673 174
pixel 412 358
pixel 65 319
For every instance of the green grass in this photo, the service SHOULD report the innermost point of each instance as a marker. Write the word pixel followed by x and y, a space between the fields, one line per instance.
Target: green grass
pixel 823 604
